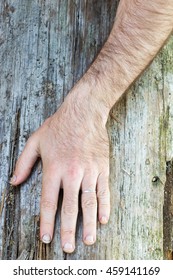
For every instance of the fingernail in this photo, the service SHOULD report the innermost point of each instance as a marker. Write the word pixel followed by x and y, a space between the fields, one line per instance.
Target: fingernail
pixel 89 239
pixel 68 247
pixel 46 238
pixel 13 179
pixel 104 220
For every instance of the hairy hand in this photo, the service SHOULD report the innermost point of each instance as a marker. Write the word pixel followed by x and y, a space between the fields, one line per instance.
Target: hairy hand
pixel 74 148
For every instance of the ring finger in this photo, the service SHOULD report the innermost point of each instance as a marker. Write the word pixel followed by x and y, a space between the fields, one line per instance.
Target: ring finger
pixel 89 208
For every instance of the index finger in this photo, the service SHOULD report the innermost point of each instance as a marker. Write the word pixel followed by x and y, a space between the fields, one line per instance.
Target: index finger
pixel 49 200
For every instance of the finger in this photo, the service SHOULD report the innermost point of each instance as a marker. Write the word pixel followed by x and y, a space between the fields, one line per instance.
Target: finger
pixel 26 161
pixel 71 187
pixel 103 195
pixel 89 208
pixel 49 200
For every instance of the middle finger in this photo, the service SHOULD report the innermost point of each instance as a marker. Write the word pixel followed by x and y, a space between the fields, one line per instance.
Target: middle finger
pixel 69 213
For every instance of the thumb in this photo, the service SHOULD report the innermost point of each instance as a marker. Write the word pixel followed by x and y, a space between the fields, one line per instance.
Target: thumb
pixel 26 160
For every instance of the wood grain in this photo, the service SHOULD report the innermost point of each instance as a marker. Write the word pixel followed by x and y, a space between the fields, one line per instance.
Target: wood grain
pixel 45 47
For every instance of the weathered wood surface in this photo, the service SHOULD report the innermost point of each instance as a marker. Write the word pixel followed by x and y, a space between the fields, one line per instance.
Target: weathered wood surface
pixel 45 47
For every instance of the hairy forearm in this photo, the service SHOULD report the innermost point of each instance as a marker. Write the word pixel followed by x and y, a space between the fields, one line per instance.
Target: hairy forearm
pixel 140 30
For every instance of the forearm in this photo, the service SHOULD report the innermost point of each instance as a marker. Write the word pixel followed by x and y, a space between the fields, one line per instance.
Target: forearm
pixel 140 30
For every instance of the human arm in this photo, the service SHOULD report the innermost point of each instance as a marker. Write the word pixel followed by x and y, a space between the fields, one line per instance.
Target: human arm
pixel 139 31
pixel 77 164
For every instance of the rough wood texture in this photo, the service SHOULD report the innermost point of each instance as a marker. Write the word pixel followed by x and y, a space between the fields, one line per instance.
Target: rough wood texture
pixel 45 47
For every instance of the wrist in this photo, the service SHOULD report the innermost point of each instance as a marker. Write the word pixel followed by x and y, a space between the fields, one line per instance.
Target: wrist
pixel 85 99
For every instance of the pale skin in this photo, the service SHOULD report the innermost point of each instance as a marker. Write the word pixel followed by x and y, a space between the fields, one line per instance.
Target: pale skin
pixel 73 143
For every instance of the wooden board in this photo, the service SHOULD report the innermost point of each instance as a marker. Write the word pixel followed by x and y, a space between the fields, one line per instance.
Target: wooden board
pixel 45 47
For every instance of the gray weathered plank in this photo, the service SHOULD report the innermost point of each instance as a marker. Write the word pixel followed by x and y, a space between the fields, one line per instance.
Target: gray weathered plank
pixel 45 47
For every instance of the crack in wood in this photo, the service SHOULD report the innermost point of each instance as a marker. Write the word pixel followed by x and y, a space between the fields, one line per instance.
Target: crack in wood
pixel 168 213
pixel 2 202
pixel 10 236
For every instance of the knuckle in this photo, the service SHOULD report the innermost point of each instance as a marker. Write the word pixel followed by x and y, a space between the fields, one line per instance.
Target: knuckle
pixel 53 167
pixel 103 179
pixel 48 205
pixel 50 169
pixel 91 170
pixel 70 209
pixel 32 143
pixel 47 224
pixel 70 204
pixel 105 174
pixel 73 172
pixel 89 202
pixel 104 197
pixel 20 163
pixel 67 231
pixel 103 193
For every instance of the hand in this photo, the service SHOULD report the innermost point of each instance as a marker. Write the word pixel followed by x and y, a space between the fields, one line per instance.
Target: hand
pixel 74 148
